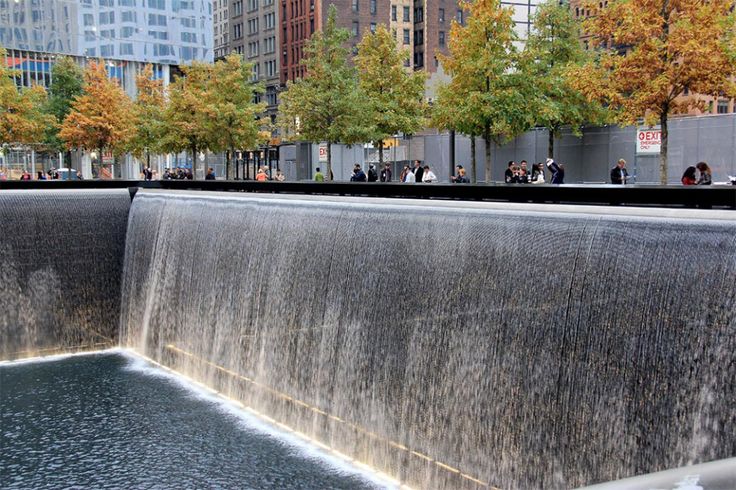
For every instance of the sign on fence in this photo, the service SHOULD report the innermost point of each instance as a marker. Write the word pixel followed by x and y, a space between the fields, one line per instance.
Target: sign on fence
pixel 648 141
pixel 323 153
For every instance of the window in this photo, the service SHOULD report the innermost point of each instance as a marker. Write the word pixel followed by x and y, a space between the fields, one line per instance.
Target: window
pixel 109 17
pixel 253 26
pixel 156 20
pixel 442 39
pixel 269 20
pixel 393 13
pixel 269 45
pixel 89 19
pixel 188 22
pixel 722 106
pixel 459 17
pixel 407 39
pixel 129 16
pixel 237 31
pixel 157 4
pixel 373 27
pixel 107 50
pixel 419 59
pixel 188 37
pixel 419 14
pixel 163 36
pixel 356 28
pixel 126 49
pixel 256 71
pixel 419 36
pixel 126 3
pixel 126 31
pixel 373 7
pixel 252 5
pixel 238 8
pixel 356 6
pixel 441 16
pixel 253 49
pixel 270 68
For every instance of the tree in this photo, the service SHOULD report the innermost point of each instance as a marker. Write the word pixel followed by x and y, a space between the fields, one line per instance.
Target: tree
pixel 67 81
pixel 22 119
pixel 395 97
pixel 189 119
pixel 489 92
pixel 326 105
pixel 237 125
pixel 552 48
pixel 102 117
pixel 148 113
pixel 653 52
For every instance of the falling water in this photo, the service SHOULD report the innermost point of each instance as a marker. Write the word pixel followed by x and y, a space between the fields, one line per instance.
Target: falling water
pixel 453 346
pixel 60 269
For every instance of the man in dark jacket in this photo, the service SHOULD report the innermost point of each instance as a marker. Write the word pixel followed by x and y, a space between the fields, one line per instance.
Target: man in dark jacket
pixel 372 174
pixel 358 174
pixel 418 171
pixel 386 173
pixel 619 174
pixel 210 174
pixel 557 170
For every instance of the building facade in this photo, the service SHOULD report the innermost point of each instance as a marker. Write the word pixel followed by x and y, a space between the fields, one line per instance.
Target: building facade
pixel 221 26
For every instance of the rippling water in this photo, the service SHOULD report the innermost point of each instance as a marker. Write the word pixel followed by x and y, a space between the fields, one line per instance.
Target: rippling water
pixel 99 421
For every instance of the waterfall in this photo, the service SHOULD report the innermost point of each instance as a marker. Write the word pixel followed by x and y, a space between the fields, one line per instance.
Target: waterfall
pixel 450 345
pixel 61 256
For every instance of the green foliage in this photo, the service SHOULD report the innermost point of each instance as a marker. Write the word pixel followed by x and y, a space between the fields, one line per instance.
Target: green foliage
pixel 395 96
pixel 327 104
pixel 552 48
pixel 67 81
pixel 487 95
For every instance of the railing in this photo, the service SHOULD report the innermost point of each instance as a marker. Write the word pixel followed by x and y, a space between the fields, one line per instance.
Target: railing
pixel 723 197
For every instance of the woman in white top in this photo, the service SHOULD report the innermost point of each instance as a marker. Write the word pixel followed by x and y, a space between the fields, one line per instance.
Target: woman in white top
pixel 538 174
pixel 410 178
pixel 428 176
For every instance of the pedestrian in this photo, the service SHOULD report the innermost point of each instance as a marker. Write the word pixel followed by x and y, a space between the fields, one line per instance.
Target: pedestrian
pixel 461 177
pixel 280 177
pixel 453 178
pixel 508 175
pixel 538 174
pixel 418 171
pixel 386 173
pixel 404 171
pixel 372 174
pixel 619 174
pixel 79 175
pixel 428 177
pixel 188 175
pixel 523 177
pixel 147 173
pixel 557 170
pixel 41 175
pixel 358 174
pixel 210 174
pixel 318 177
pixel 410 177
pixel 689 177
pixel 261 175
pixel 706 176
pixel 25 176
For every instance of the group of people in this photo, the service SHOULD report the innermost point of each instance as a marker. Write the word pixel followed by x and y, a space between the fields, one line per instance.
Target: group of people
pixel 50 174
pixel 178 173
pixel 521 173
pixel 704 176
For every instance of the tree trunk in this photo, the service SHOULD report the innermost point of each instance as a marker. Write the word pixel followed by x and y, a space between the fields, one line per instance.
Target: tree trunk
pixel 487 139
pixel 663 150
pixel 328 177
pixel 551 143
pixel 228 163
pixel 473 160
pixel 194 163
pixel 380 155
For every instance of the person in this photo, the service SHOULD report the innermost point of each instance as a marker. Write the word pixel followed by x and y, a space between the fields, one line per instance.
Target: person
pixel 41 175
pixel 404 171
pixel 79 175
pixel 461 177
pixel 372 174
pixel 358 174
pixel 410 177
pixel 523 177
pixel 418 171
pixel 25 176
pixel 428 176
pixel 280 177
pixel 3 175
pixel 538 174
pixel 508 176
pixel 210 174
pixel 689 177
pixel 147 173
pixel 557 170
pixel 188 175
pixel 453 178
pixel 386 173
pixel 706 176
pixel 619 174
pixel 261 176
pixel 318 177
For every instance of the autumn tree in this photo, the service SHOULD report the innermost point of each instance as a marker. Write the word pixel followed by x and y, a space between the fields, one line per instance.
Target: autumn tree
pixel 651 53
pixel 148 113
pixel 22 119
pixel 553 47
pixel 326 105
pixel 237 123
pixel 102 117
pixel 394 96
pixel 487 89
pixel 67 81
pixel 189 119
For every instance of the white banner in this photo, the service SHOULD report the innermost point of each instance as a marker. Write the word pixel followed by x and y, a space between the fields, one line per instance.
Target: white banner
pixel 322 153
pixel 648 141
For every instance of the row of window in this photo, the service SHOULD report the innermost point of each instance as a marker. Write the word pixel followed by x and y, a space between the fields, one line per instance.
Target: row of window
pixel 269 46
pixel 372 6
pixel 269 21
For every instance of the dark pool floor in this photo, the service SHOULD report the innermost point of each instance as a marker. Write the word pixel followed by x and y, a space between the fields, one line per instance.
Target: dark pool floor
pixel 94 422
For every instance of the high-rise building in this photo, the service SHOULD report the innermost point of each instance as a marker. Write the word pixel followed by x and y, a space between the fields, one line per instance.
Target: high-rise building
pixel 125 33
pixel 221 25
